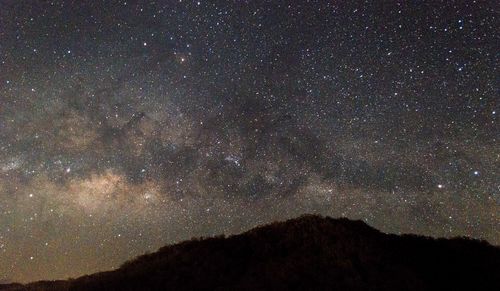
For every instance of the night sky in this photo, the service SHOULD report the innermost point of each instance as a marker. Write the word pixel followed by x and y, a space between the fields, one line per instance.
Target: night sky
pixel 128 125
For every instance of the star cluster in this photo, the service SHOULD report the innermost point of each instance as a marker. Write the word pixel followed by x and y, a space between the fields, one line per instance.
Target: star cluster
pixel 127 125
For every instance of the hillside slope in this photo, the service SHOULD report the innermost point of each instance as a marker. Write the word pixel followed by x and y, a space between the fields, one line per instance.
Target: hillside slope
pixel 307 253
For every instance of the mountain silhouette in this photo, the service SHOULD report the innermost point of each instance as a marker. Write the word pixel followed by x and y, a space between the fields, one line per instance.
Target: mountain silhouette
pixel 306 253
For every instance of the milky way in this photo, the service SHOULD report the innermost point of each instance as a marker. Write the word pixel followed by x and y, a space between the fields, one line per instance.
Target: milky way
pixel 128 125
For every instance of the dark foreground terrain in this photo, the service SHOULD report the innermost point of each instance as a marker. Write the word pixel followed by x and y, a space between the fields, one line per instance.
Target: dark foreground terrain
pixel 307 253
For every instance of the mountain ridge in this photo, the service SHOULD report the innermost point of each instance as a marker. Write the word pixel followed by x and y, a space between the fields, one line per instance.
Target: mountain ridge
pixel 309 252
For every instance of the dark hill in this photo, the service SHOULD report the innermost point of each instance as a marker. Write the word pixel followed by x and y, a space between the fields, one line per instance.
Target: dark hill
pixel 307 253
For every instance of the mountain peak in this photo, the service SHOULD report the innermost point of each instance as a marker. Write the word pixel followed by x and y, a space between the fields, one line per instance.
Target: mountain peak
pixel 309 252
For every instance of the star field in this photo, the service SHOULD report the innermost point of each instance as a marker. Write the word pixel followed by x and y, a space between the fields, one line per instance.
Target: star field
pixel 128 125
